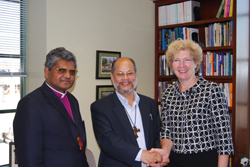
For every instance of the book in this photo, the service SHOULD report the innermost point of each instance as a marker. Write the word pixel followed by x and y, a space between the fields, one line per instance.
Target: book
pixel 216 33
pixel 231 32
pixel 159 48
pixel 231 9
pixel 162 16
pixel 215 64
pixel 228 7
pixel 168 14
pixel 164 40
pixel 160 66
pixel 180 12
pixel 221 9
pixel 185 12
pixel 204 64
pixel 225 8
pixel 206 36
pixel 222 64
pixel 194 34
pixel 194 10
pixel 231 67
pixel 231 94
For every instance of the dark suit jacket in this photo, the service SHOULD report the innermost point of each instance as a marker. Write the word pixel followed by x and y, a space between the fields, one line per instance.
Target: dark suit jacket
pixel 114 133
pixel 44 133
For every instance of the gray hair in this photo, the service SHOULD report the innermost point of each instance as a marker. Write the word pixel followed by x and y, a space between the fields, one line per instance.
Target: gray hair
pixel 113 65
pixel 59 54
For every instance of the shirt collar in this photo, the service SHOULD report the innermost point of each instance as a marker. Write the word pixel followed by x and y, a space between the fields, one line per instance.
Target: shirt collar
pixel 57 92
pixel 193 89
pixel 123 100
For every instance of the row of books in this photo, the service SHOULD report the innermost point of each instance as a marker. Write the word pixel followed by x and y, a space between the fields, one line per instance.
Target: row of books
pixel 163 85
pixel 214 64
pixel 166 36
pixel 164 70
pixel 182 12
pixel 225 9
pixel 219 34
pixel 217 64
pixel 227 88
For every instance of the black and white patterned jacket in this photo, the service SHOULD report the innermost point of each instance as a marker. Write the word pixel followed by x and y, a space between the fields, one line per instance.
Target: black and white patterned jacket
pixel 196 120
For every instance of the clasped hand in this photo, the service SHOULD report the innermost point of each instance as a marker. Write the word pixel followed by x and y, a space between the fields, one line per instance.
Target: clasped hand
pixel 151 158
pixel 164 157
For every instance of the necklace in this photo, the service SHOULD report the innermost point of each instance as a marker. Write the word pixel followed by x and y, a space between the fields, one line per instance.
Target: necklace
pixel 134 124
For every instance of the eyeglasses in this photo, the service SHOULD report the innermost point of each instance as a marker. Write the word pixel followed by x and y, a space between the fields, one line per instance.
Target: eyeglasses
pixel 64 70
pixel 178 61
pixel 121 74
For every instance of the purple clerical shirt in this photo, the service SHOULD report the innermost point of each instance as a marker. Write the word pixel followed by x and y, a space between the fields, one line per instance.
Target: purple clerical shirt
pixel 64 99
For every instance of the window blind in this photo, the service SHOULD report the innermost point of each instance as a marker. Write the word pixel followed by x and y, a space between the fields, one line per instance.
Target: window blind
pixel 12 38
pixel 12 53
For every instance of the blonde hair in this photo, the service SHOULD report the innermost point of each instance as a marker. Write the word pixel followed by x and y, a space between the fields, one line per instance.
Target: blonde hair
pixel 178 45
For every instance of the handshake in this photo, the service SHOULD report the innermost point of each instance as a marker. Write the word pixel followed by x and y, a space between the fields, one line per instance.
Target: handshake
pixel 155 157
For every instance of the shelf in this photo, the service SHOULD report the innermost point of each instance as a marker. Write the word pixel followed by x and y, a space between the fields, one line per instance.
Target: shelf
pixel 220 79
pixel 197 23
pixel 217 48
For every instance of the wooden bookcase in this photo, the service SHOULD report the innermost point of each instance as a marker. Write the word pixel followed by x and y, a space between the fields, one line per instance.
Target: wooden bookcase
pixel 208 11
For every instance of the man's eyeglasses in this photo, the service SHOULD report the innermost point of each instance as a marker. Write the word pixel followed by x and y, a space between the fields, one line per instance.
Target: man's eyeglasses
pixel 64 70
pixel 178 61
pixel 121 74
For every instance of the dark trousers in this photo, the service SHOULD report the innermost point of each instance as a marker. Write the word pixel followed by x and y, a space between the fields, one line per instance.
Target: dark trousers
pixel 201 159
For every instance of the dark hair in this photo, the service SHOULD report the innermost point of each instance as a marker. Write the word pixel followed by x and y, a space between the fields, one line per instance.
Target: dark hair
pixel 59 53
pixel 113 65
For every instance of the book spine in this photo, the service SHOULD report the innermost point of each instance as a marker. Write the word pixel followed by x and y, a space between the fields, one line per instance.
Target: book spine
pixel 222 64
pixel 228 7
pixel 204 63
pixel 215 64
pixel 220 9
pixel 231 9
pixel 231 64
pixel 206 36
pixel 225 8
pixel 159 48
pixel 164 65
pixel 164 44
pixel 231 94
pixel 218 64
pixel 160 65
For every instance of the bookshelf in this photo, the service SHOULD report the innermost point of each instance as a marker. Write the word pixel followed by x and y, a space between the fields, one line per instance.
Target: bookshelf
pixel 208 12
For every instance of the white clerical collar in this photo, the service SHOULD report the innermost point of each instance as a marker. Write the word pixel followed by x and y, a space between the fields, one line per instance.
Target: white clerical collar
pixel 63 94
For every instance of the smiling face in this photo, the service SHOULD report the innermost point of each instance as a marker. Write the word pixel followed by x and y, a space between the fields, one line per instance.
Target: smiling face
pixel 124 76
pixel 184 66
pixel 58 81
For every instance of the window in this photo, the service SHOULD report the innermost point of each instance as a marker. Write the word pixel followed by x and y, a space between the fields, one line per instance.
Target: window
pixel 12 67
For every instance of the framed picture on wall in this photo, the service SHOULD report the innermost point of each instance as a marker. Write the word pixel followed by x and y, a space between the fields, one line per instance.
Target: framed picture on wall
pixel 104 90
pixel 12 157
pixel 104 60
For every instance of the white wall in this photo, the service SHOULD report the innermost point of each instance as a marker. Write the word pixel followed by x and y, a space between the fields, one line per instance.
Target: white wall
pixel 84 26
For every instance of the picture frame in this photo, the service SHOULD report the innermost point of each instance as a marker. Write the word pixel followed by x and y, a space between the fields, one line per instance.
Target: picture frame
pixel 12 157
pixel 104 90
pixel 104 60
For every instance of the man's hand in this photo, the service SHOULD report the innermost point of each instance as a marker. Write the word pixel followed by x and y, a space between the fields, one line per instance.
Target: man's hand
pixel 164 154
pixel 151 158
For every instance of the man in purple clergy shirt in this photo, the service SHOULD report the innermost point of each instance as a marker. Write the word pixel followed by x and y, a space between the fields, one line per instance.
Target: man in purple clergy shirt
pixel 48 128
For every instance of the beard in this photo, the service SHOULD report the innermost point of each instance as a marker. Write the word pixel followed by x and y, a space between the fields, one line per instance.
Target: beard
pixel 118 87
